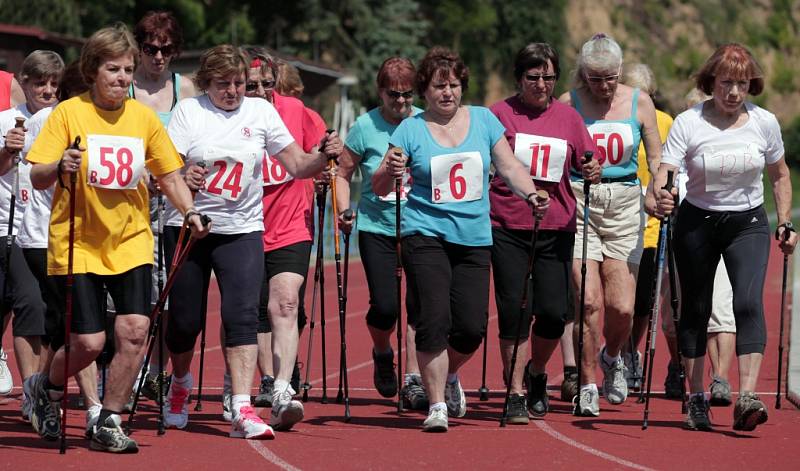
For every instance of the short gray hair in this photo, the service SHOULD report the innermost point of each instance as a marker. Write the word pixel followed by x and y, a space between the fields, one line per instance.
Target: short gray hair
pixel 599 53
pixel 640 76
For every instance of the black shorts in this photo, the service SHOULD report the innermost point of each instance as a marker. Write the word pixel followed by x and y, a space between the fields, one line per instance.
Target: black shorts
pixel 53 317
pixel 290 259
pixel 644 283
pixel 22 294
pixel 129 290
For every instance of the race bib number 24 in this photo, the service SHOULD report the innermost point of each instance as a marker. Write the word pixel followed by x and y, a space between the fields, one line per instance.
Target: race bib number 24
pixel 457 178
pixel 114 162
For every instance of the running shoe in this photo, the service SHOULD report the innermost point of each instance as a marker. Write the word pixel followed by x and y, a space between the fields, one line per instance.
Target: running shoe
pixel 383 374
pixel 538 402
pixel 264 396
pixel 697 418
pixel 109 437
pixel 615 387
pixel 749 412
pixel 569 386
pixel 150 386
pixel 176 409
pixel 92 414
pixel 455 399
pixel 517 411
pixel 6 380
pixel 46 416
pixel 227 399
pixel 413 392
pixel 285 411
pixel 247 424
pixel 720 392
pixel 27 399
pixel 672 383
pixel 588 403
pixel 633 373
pixel 436 421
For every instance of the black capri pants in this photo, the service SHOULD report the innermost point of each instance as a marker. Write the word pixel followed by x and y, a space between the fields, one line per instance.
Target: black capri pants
pixel 238 263
pixel 742 239
pixel 448 287
pixel 53 318
pixel 644 283
pixel 550 297
pixel 379 256
pixel 21 291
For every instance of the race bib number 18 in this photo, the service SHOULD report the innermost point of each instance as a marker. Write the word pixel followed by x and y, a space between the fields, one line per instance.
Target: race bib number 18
pixel 115 162
pixel 614 143
pixel 457 178
pixel 543 156
pixel 273 171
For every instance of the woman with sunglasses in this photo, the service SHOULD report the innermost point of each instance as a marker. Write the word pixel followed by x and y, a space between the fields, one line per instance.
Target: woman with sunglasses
pixel 365 146
pixel 549 138
pixel 618 118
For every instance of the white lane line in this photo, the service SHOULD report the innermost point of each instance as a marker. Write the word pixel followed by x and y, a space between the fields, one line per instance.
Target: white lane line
pixel 270 456
pixel 592 451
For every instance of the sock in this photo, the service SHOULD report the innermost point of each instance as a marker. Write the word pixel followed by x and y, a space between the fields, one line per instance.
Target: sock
pixel 279 387
pixel 452 378
pixel 591 386
pixel 437 405
pixel 104 413
pixel 609 360
pixel 568 370
pixel 239 401
pixel 184 381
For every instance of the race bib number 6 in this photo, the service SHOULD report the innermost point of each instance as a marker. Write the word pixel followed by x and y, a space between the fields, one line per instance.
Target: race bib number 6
pixel 544 157
pixel 614 143
pixel 273 171
pixel 229 173
pixel 456 178
pixel 114 162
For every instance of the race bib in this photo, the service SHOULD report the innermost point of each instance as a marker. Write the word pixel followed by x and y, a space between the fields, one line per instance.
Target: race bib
pixel 404 189
pixel 273 172
pixel 614 143
pixel 732 166
pixel 114 162
pixel 229 173
pixel 25 187
pixel 456 178
pixel 544 157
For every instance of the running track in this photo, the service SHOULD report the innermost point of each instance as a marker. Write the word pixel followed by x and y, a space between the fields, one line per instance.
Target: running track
pixel 379 438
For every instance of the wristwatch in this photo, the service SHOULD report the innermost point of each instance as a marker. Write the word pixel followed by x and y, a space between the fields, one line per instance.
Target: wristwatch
pixel 787 227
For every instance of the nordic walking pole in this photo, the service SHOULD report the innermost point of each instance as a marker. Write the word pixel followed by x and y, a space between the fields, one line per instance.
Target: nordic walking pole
pixel 73 178
pixel 649 335
pixel 398 277
pixel 347 215
pixel 318 266
pixel 19 124
pixel 483 390
pixel 660 261
pixel 673 301
pixel 541 196
pixel 342 299
pixel 204 309
pixel 160 338
pixel 782 315
pixel 587 156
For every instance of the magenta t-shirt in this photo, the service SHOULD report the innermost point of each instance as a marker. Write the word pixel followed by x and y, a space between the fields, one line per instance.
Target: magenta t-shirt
pixel 548 143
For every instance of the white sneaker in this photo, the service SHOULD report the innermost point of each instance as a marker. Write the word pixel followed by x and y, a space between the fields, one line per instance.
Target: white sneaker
pixel 588 403
pixel 6 381
pixel 436 421
pixel 615 386
pixel 455 399
pixel 176 409
pixel 92 414
pixel 285 411
pixel 247 424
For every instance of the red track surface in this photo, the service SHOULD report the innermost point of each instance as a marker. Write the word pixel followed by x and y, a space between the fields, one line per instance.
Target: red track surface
pixel 379 438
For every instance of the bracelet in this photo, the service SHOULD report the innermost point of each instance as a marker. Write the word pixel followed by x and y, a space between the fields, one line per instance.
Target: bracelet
pixel 189 213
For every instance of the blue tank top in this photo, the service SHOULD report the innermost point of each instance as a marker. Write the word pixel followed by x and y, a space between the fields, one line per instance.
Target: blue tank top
pixel 165 116
pixel 617 141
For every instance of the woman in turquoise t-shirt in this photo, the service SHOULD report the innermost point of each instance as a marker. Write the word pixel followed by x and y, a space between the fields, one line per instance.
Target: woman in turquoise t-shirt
pixel 445 225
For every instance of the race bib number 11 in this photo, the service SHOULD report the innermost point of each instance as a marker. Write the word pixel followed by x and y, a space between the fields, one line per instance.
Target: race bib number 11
pixel 456 178
pixel 114 162
pixel 543 156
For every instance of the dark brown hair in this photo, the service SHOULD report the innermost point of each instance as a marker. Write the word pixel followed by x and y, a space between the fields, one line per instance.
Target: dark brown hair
pixel 440 61
pixel 535 55
pixel 733 60
pixel 72 83
pixel 161 26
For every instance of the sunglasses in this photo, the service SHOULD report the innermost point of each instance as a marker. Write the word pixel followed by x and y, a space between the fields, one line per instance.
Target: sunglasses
pixel 535 78
pixel 394 95
pixel 253 86
pixel 150 50
pixel 607 78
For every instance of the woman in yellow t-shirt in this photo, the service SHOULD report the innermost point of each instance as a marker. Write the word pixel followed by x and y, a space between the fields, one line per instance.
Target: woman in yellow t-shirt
pixel 113 241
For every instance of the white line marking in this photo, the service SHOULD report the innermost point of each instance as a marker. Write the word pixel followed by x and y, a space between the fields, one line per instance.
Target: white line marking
pixel 270 456
pixel 592 451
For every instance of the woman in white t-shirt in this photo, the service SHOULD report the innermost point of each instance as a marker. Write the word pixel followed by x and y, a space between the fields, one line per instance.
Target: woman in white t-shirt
pixel 725 144
pixel 228 133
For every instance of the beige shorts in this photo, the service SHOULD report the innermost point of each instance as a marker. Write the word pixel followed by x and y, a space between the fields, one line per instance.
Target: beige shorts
pixel 721 320
pixel 616 222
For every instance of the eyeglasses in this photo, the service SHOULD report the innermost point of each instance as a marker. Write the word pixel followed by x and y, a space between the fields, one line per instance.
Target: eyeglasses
pixel 607 78
pixel 394 95
pixel 253 86
pixel 535 78
pixel 151 50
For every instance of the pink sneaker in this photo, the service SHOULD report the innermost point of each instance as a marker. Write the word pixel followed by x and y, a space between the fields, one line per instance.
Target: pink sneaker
pixel 176 410
pixel 247 424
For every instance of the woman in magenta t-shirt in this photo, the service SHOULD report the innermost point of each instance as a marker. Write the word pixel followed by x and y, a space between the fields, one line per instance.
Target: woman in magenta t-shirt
pixel 549 138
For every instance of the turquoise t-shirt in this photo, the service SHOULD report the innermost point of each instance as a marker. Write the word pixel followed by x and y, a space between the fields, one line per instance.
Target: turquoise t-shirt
pixel 164 116
pixel 369 138
pixel 449 190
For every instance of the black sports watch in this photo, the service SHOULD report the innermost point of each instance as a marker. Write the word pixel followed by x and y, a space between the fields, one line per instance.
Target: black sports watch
pixel 787 227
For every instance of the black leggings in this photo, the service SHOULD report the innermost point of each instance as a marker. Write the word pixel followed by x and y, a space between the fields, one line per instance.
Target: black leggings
pixel 742 239
pixel 238 263
pixel 449 289
pixel 379 256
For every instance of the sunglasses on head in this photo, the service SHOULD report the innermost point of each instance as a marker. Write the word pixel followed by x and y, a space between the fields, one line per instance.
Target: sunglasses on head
pixel 394 95
pixel 266 84
pixel 535 78
pixel 150 50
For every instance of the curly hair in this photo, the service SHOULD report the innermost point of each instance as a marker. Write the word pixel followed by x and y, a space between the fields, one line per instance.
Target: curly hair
pixel 441 62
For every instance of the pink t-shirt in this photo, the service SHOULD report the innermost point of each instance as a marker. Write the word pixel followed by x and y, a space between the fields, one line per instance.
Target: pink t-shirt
pixel 288 215
pixel 5 90
pixel 548 144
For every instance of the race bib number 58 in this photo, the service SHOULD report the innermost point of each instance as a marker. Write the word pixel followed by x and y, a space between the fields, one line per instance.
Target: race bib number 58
pixel 114 162
pixel 457 178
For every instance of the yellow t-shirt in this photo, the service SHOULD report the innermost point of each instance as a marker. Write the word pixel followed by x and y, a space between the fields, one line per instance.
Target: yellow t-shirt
pixel 112 226
pixel 664 122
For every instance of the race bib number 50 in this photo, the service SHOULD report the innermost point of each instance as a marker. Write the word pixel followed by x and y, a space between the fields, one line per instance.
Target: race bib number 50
pixel 114 162
pixel 457 178
pixel 229 173
pixel 543 156
pixel 614 143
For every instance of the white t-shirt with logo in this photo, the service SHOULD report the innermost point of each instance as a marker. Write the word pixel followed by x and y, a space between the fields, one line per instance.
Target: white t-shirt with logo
pixel 36 220
pixel 24 189
pixel 724 167
pixel 232 145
